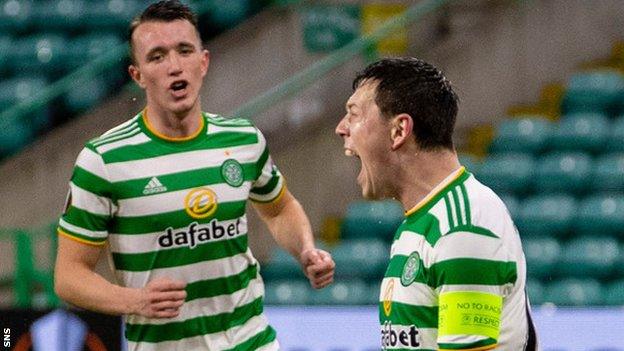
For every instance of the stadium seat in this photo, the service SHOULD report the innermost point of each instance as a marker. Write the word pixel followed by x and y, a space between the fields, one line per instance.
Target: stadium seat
pixel 589 256
pixel 227 13
pixel 361 258
pixel 111 15
pixel 343 292
pixel 15 16
pixel 541 255
pixel 5 45
pixel 536 292
pixel 86 94
pixel 546 215
pixel 20 89
pixel 59 15
pixel 601 215
pixel 281 266
pixel 580 132
pixel 507 172
pixel 512 203
pixel 574 292
pixel 608 173
pixel 88 47
pixel 615 137
pixel 40 53
pixel 287 292
pixel 614 293
pixel 597 91
pixel 563 172
pixel 372 219
pixel 528 134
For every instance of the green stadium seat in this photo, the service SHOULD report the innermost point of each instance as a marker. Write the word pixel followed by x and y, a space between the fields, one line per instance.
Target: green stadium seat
pixel 597 91
pixel 608 173
pixel 227 13
pixel 507 172
pixel 282 266
pixel 13 137
pixel 563 172
pixel 528 134
pixel 40 53
pixel 580 132
pixel 601 215
pixel 20 89
pixel 112 15
pixel 512 203
pixel 88 47
pixel 589 256
pixel 536 292
pixel 541 255
pixel 59 15
pixel 15 16
pixel 86 94
pixel 5 46
pixel 615 138
pixel 546 215
pixel 287 292
pixel 614 294
pixel 361 258
pixel 372 219
pixel 574 292
pixel 343 292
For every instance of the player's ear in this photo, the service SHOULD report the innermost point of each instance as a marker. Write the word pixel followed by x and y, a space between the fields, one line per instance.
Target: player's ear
pixel 135 74
pixel 401 129
pixel 205 61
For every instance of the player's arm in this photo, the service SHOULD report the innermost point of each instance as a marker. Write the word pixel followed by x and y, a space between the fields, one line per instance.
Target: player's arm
pixel 470 272
pixel 76 282
pixel 291 229
pixel 82 233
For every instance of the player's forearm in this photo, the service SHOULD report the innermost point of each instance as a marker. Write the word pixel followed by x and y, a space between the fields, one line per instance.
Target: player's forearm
pixel 291 228
pixel 86 289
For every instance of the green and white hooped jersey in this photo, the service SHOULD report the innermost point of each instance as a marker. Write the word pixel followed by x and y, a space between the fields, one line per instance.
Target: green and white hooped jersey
pixel 456 277
pixel 176 208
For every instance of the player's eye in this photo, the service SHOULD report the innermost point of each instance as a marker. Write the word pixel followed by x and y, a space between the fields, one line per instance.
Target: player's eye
pixel 156 57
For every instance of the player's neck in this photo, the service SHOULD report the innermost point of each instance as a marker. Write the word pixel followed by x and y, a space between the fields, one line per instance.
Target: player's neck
pixel 424 172
pixel 174 125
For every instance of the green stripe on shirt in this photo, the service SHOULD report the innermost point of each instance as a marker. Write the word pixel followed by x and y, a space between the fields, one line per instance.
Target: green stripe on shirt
pixel 195 326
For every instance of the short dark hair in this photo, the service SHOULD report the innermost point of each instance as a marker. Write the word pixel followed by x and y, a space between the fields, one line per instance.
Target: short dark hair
pixel 413 86
pixel 162 11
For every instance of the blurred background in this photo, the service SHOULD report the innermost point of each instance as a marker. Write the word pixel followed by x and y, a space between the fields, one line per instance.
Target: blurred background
pixel 541 121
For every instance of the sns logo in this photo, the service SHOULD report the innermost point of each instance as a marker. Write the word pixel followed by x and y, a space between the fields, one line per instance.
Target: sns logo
pixel 7 337
pixel 200 203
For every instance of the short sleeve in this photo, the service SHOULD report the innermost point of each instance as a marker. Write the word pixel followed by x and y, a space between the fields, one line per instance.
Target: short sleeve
pixel 269 182
pixel 470 272
pixel 89 207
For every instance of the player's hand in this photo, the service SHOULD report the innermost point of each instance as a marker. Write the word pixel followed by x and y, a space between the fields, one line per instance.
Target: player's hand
pixel 161 298
pixel 318 266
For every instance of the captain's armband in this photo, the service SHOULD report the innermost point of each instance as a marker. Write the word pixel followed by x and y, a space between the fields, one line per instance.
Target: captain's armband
pixel 469 313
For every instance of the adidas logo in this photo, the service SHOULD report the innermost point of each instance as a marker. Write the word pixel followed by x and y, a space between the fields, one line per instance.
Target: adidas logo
pixel 154 186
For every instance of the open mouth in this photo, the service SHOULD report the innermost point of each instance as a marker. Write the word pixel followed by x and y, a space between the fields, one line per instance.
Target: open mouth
pixel 351 153
pixel 179 86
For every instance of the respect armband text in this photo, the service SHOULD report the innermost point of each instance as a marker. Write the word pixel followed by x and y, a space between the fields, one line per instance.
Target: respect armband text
pixel 469 313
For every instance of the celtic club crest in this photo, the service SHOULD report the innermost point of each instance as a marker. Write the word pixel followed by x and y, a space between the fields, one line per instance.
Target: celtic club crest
pixel 232 173
pixel 410 269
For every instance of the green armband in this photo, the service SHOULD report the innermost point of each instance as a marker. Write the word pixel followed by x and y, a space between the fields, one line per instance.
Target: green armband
pixel 469 313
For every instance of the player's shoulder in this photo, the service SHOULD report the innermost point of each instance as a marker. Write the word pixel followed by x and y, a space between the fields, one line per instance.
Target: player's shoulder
pixel 115 136
pixel 227 122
